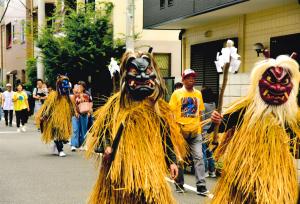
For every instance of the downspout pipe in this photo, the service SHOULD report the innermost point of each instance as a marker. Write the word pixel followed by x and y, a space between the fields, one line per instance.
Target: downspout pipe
pixel 180 37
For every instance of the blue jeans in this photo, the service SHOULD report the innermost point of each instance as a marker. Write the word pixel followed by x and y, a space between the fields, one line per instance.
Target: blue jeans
pixel 209 162
pixel 79 130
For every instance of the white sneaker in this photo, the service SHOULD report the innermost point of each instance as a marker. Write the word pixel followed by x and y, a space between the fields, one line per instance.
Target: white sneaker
pixel 83 148
pixel 54 149
pixel 62 154
pixel 206 175
pixel 73 149
pixel 212 175
pixel 23 128
pixel 18 130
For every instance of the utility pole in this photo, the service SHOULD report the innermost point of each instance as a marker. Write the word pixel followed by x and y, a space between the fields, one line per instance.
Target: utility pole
pixel 1 52
pixel 130 25
pixel 41 25
pixel 29 29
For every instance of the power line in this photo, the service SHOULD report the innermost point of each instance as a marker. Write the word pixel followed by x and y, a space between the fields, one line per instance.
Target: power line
pixel 24 5
pixel 5 11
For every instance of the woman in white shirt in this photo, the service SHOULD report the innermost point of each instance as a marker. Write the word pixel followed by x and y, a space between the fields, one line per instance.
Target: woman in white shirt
pixel 7 104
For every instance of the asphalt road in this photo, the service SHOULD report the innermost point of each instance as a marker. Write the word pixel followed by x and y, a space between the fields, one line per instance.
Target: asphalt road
pixel 29 174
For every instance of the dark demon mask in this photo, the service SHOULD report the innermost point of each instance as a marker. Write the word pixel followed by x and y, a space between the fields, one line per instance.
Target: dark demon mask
pixel 275 85
pixel 63 85
pixel 140 77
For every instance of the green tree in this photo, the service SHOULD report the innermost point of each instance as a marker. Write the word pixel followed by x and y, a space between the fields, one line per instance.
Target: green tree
pixel 82 47
pixel 31 73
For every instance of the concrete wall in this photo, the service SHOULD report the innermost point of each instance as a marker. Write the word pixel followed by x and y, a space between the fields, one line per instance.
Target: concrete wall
pixel 260 26
pixel 250 29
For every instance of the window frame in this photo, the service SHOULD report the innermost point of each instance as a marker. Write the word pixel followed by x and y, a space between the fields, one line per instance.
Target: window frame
pixel 162 4
pixel 169 61
pixel 8 35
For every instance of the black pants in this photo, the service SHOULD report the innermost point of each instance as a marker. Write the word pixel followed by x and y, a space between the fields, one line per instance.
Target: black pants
pixel 10 113
pixel 59 145
pixel 21 117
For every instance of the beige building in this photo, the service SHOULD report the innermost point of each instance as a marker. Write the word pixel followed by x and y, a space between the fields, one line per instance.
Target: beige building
pixel 165 43
pixel 167 47
pixel 13 43
pixel 251 28
pixel 17 44
pixel 273 23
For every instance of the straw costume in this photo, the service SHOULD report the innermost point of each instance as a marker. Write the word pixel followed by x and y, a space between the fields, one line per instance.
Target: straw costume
pixel 258 164
pixel 54 117
pixel 149 142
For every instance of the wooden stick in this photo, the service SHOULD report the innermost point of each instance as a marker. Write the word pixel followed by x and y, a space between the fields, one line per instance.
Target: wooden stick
pixel 220 104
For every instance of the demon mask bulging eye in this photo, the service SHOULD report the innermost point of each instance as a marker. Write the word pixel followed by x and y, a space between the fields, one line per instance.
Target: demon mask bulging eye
pixel 63 86
pixel 275 86
pixel 140 78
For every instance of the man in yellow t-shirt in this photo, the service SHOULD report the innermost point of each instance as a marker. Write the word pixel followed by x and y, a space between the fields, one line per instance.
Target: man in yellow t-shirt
pixel 187 104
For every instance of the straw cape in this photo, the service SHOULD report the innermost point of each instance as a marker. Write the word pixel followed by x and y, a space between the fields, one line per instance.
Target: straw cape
pixel 258 161
pixel 55 116
pixel 137 174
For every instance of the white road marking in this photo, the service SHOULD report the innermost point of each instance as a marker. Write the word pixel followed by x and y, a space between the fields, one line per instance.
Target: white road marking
pixel 9 132
pixel 191 188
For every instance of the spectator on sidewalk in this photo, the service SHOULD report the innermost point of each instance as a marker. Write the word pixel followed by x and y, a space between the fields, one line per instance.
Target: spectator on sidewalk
pixel 84 105
pixel 39 94
pixel 187 105
pixel 209 100
pixel 75 121
pixel 49 88
pixel 30 102
pixel 44 93
pixel 21 107
pixel 178 85
pixel 7 105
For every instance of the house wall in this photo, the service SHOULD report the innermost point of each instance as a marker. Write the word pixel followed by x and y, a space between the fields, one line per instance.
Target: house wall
pixel 250 29
pixel 163 41
pixel 14 58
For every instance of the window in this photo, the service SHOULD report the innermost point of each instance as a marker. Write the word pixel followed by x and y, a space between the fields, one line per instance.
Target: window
pixel 71 4
pixel 170 3
pixel 22 33
pixel 203 56
pixel 278 45
pixel 8 36
pixel 162 4
pixel 163 61
pixel 49 11
pixel 14 33
pixel 23 76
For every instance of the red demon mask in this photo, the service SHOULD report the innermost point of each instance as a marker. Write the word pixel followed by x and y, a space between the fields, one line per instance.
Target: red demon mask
pixel 275 86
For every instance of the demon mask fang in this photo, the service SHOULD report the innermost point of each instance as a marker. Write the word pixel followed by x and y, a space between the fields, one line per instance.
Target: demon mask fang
pixel 275 85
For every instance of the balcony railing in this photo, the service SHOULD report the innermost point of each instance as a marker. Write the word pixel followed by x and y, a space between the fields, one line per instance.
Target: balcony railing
pixel 159 12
